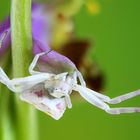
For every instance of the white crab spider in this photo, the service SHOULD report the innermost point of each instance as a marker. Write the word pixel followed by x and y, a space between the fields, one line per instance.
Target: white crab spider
pixel 50 93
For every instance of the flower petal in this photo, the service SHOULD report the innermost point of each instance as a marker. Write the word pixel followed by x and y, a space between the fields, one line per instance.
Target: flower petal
pixel 38 97
pixel 53 62
pixel 5 35
pixel 40 29
pixel 5 25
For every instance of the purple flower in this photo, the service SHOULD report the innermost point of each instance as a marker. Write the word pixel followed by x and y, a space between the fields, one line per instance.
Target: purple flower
pixel 40 33
pixel 39 28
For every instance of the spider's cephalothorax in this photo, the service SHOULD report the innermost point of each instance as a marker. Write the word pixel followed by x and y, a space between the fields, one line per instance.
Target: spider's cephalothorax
pixel 61 87
pixel 57 89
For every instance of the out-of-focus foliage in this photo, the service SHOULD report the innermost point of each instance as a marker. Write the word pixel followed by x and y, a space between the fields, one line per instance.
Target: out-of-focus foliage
pixel 93 6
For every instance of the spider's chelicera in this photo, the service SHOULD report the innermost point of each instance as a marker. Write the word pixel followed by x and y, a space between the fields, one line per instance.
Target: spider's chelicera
pixel 51 92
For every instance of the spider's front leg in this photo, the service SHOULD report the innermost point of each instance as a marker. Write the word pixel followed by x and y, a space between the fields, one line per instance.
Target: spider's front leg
pixel 28 82
pixel 34 62
pixel 21 84
pixel 6 81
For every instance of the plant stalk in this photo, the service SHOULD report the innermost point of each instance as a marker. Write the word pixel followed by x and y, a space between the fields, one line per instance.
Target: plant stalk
pixel 21 32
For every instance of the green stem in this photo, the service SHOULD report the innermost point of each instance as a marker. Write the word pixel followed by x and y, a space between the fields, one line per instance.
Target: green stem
pixel 21 36
pixel 21 54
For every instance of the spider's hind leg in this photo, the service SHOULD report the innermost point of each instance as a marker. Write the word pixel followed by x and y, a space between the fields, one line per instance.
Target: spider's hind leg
pixel 123 110
pixel 99 100
pixel 124 97
pixel 115 100
pixel 121 98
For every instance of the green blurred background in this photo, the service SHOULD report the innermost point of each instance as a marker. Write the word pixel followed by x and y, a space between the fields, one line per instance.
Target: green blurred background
pixel 115 33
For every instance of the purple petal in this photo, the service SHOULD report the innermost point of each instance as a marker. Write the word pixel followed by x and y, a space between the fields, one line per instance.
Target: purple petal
pixel 5 35
pixel 40 29
pixel 53 62
pixel 5 25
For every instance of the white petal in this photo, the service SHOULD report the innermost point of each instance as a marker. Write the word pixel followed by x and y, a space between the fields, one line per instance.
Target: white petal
pixel 38 97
